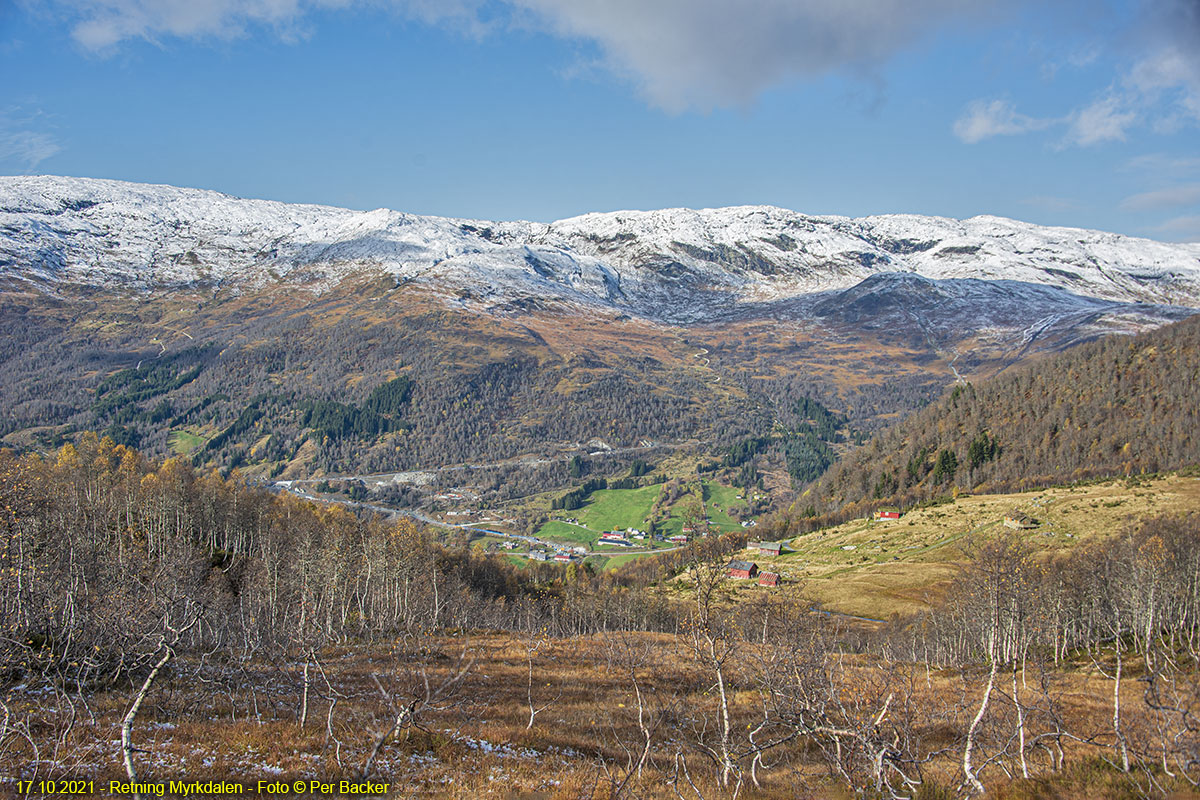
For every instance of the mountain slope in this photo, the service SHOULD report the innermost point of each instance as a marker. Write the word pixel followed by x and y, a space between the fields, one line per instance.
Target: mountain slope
pixel 252 332
pixel 1118 406
pixel 675 264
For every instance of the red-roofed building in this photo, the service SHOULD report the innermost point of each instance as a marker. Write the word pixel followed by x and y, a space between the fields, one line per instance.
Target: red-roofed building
pixel 742 569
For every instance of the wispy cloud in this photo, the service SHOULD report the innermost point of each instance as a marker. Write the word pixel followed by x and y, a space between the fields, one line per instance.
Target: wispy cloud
pixel 1156 90
pixel 1163 164
pixel 1170 197
pixel 1105 120
pixel 1183 229
pixel 22 141
pixel 984 119
pixel 100 25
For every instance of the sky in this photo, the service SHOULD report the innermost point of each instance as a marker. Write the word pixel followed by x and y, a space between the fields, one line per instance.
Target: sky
pixel 1058 112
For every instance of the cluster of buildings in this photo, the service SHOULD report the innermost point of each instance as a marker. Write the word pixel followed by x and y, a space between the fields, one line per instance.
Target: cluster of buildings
pixel 614 538
pixel 562 556
pixel 748 570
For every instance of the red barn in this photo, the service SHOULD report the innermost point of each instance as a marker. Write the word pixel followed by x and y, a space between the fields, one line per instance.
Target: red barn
pixel 887 513
pixel 768 579
pixel 742 569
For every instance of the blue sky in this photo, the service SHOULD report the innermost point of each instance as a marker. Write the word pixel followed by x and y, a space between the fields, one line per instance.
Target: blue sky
pixel 1064 113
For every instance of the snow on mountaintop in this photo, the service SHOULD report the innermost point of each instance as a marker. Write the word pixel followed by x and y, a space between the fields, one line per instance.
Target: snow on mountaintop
pixel 674 263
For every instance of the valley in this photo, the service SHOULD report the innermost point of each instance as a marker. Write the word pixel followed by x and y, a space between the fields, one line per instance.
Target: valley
pixel 738 503
pixel 241 323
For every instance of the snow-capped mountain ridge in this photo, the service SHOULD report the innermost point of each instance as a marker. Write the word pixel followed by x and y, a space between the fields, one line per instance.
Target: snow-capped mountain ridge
pixel 678 264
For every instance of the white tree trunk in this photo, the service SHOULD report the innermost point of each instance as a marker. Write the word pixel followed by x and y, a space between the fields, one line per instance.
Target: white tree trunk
pixel 968 770
pixel 127 724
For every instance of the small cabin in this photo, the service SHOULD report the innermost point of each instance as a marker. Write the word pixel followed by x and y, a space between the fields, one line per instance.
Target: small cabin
pixel 743 570
pixel 1019 521
pixel 888 513
pixel 769 548
pixel 768 579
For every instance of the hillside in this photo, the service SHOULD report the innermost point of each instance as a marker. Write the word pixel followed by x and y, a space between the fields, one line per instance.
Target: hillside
pixel 880 568
pixel 266 336
pixel 1117 406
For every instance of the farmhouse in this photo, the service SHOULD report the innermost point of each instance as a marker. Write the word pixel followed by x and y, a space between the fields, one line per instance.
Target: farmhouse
pixel 678 538
pixel 769 548
pixel 887 513
pixel 1019 521
pixel 537 555
pixel 768 579
pixel 563 557
pixel 742 569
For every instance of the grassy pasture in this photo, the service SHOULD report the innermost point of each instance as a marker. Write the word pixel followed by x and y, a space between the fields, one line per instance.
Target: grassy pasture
pixel 879 568
pixel 184 441
pixel 620 509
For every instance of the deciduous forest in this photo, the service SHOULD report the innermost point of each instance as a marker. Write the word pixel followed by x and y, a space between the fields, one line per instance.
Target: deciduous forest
pixel 157 620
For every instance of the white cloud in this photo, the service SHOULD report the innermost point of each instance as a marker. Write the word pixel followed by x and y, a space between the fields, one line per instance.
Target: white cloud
pixel 1169 78
pixel 984 119
pixel 1158 89
pixel 1105 120
pixel 1170 70
pixel 1171 197
pixel 21 142
pixel 1161 89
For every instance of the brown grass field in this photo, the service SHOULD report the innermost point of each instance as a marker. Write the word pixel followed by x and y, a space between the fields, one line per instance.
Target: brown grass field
pixel 477 743
pixel 878 569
